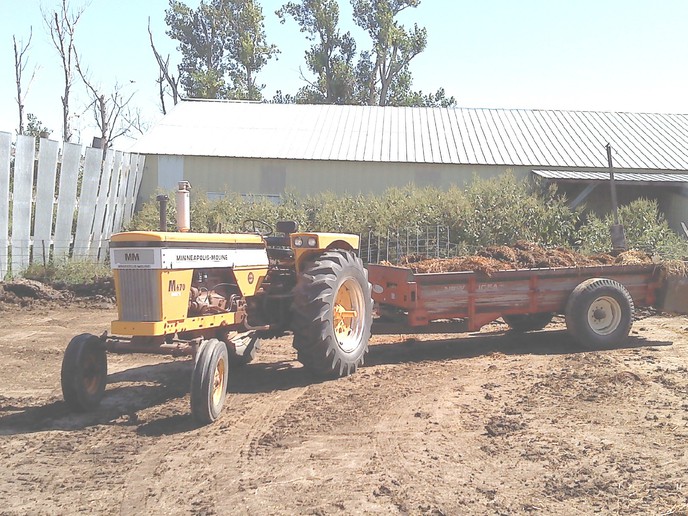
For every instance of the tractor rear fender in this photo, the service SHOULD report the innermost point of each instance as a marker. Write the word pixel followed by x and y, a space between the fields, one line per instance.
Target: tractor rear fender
pixel 307 245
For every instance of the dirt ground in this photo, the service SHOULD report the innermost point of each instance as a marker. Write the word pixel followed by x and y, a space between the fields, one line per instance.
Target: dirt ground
pixel 485 423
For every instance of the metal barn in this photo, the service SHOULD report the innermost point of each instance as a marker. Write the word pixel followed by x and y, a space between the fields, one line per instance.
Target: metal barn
pixel 256 148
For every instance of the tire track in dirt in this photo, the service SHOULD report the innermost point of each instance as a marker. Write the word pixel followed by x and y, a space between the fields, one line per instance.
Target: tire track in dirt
pixel 206 459
pixel 408 437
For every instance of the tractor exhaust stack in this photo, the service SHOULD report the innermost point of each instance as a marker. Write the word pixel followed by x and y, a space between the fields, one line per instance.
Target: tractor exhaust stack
pixel 183 207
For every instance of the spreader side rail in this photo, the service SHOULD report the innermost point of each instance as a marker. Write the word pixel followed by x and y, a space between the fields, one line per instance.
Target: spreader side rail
pixel 479 299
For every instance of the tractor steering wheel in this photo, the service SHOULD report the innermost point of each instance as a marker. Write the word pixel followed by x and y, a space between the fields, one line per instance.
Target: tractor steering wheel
pixel 259 227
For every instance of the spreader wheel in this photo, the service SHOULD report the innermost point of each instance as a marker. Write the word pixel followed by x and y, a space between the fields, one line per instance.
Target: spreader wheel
pixel 599 313
pixel 528 322
pixel 84 372
pixel 209 381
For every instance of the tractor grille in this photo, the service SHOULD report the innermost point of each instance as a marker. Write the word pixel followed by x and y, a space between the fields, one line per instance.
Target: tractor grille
pixel 139 295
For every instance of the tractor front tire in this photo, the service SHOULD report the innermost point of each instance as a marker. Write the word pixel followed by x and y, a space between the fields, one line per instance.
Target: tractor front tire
pixel 599 313
pixel 332 314
pixel 209 381
pixel 84 372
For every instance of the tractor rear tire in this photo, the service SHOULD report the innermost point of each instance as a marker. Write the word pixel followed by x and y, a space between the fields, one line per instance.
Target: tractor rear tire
pixel 599 313
pixel 241 349
pixel 528 322
pixel 209 381
pixel 332 314
pixel 84 372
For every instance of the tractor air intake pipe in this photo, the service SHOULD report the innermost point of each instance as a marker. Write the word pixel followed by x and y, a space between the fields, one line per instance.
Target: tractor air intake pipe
pixel 162 199
pixel 183 207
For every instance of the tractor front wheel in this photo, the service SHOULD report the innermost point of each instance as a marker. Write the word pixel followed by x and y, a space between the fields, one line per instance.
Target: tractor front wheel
pixel 209 381
pixel 84 372
pixel 332 314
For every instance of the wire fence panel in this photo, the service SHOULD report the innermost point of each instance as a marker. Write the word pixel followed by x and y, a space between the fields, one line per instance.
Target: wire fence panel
pixel 61 204
pixel 407 245
pixel 5 147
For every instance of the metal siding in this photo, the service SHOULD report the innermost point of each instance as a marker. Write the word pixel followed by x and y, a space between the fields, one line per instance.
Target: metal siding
pixel 5 155
pixel 450 141
pixel 587 175
pixel 558 150
pixel 468 137
pixel 574 146
pixel 621 155
pixel 665 137
pixel 508 156
pixel 426 135
pixel 546 158
pixel 508 138
pixel 592 149
pixel 520 141
pixel 45 193
pixel 488 138
pixel 625 142
pixel 643 134
pixel 386 144
pixel 483 155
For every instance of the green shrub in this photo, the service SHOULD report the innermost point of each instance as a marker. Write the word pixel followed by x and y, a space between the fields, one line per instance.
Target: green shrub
pixel 499 210
pixel 72 272
pixel 645 227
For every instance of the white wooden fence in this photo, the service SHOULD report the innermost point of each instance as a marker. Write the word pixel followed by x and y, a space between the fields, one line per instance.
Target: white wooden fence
pixel 61 202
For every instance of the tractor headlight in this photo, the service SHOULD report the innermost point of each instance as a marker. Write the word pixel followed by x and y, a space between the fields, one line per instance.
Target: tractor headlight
pixel 298 242
pixel 312 242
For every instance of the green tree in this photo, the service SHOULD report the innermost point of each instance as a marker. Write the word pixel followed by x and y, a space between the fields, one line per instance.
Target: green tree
pixel 385 68
pixel 330 57
pixel 34 127
pixel 223 47
pixel 248 50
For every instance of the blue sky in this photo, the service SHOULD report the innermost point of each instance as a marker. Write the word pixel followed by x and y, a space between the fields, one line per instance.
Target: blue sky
pixel 611 55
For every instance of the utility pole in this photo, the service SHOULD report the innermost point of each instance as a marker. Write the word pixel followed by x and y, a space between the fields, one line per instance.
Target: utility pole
pixel 617 229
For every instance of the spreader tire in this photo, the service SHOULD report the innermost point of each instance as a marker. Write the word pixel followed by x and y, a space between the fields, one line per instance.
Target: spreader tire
pixel 599 313
pixel 209 381
pixel 528 322
pixel 332 314
pixel 242 349
pixel 84 372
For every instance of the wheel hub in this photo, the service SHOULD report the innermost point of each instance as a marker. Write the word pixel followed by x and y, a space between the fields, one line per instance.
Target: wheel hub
pixel 346 315
pixel 218 382
pixel 604 315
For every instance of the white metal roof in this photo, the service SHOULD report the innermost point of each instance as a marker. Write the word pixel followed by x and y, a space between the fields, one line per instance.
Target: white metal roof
pixel 526 137
pixel 624 177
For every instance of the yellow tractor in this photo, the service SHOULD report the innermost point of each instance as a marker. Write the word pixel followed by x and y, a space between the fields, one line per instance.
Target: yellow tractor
pixel 214 296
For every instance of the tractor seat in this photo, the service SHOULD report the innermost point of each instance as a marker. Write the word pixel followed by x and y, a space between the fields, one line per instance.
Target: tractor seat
pixel 279 246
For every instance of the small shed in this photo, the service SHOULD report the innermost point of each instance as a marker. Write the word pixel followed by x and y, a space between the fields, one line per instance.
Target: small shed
pixel 265 149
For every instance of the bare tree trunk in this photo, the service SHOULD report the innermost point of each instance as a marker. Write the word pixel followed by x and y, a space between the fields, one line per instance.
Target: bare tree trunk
pixel 19 67
pixel 165 79
pixel 62 26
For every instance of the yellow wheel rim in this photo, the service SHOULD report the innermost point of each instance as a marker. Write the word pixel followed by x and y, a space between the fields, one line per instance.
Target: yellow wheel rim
pixel 347 315
pixel 219 382
pixel 90 373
